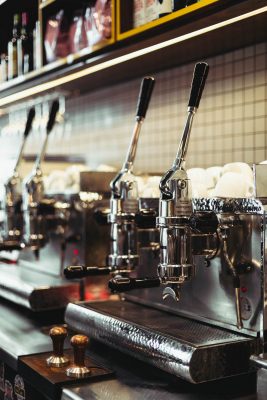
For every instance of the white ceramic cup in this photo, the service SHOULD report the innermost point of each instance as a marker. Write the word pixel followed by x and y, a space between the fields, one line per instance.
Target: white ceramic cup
pixel 239 167
pixel 235 185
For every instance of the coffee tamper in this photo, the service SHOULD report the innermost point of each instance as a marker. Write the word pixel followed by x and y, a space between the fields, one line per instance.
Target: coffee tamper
pixel 78 369
pixel 58 334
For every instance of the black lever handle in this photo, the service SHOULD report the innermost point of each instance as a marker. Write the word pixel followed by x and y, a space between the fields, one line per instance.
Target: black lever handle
pixel 80 271
pixel 52 116
pixel 145 93
pixel 124 284
pixel 30 118
pixel 198 83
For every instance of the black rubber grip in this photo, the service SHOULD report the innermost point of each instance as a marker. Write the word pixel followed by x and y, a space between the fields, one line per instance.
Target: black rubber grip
pixel 145 93
pixel 80 271
pixel 30 118
pixel 198 83
pixel 52 116
pixel 124 284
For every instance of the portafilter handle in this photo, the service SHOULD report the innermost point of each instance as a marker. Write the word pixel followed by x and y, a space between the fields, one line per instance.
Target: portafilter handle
pixel 124 284
pixel 81 271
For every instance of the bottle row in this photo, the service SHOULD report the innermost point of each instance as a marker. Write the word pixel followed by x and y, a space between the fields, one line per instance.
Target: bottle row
pixel 68 32
pixel 145 11
pixel 23 53
pixel 65 31
pixel 70 29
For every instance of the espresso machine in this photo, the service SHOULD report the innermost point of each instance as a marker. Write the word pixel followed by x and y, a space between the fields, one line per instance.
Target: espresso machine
pixel 57 229
pixel 30 221
pixel 201 314
pixel 12 224
pixel 131 222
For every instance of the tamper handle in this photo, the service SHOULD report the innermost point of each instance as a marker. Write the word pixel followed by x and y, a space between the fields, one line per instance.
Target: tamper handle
pixel 58 334
pixel 79 369
pixel 79 343
pixel 198 83
pixel 145 93
pixel 57 359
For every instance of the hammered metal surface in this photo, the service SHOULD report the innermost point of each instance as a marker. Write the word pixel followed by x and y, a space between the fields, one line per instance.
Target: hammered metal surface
pixel 178 346
pixel 228 205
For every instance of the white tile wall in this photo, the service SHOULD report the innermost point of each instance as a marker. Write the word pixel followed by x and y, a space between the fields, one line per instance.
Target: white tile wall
pixel 229 126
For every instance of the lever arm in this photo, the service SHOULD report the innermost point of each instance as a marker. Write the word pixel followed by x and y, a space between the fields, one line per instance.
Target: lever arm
pixel 50 124
pixel 198 82
pixel 145 93
pixel 28 127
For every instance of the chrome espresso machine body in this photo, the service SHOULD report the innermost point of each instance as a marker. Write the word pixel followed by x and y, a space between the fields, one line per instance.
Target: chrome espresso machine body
pixel 55 231
pixel 132 221
pixel 209 315
pixel 12 224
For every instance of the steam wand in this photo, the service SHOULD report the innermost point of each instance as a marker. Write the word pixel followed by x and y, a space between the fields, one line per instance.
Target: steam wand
pixel 236 279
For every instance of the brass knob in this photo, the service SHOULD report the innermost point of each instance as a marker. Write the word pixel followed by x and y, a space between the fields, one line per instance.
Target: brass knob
pixel 58 334
pixel 79 370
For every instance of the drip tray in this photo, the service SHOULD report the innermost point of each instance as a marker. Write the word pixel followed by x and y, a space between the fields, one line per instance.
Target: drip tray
pixel 34 290
pixel 188 349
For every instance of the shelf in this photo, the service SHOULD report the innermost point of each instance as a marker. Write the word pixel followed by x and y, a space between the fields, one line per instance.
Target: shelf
pixel 225 30
pixel 202 5
pixel 46 3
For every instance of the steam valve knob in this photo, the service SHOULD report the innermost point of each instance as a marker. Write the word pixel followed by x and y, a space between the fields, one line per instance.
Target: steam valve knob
pixel 78 369
pixel 58 334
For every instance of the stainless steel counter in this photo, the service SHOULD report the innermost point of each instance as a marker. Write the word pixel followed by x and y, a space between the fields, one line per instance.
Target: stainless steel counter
pixel 23 332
